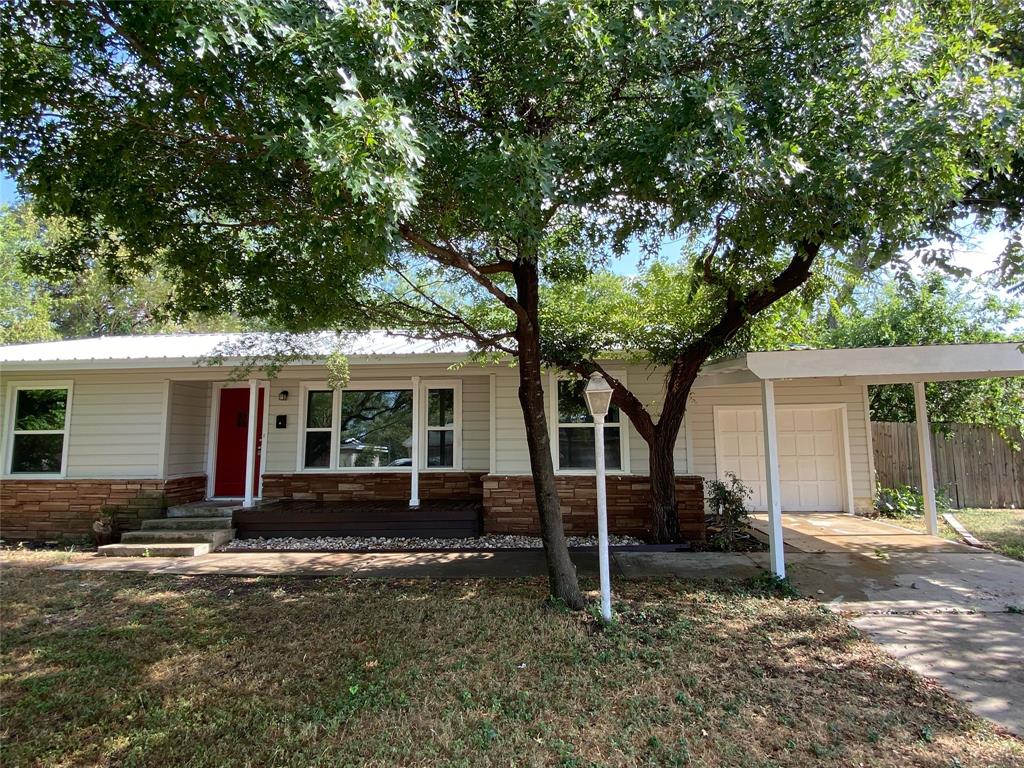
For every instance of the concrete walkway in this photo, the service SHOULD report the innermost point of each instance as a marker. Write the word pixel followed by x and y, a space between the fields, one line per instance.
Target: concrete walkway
pixel 949 611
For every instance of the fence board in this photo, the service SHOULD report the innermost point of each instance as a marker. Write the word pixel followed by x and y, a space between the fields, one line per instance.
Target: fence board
pixel 974 465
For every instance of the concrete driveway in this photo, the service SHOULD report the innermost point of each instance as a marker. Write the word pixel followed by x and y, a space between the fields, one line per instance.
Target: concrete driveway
pixel 951 612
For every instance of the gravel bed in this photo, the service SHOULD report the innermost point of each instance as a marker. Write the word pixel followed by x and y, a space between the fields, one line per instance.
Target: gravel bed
pixel 378 543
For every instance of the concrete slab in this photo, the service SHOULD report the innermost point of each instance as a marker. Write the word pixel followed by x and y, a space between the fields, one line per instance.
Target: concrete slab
pixel 975 656
pixel 908 583
pixel 838 532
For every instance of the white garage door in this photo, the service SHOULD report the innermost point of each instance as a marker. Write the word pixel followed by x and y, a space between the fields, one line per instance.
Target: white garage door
pixel 810 456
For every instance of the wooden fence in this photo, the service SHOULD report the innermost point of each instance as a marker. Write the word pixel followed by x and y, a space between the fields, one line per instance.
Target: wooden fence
pixel 974 466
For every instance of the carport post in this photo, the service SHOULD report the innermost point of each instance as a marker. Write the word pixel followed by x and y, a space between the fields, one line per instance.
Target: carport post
pixel 924 448
pixel 771 476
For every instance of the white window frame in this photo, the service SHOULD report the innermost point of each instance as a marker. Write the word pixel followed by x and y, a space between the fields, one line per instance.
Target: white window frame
pixel 300 458
pixel 456 386
pixel 553 425
pixel 378 384
pixel 11 410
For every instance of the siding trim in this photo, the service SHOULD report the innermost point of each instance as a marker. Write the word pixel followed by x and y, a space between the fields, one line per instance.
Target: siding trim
pixel 492 413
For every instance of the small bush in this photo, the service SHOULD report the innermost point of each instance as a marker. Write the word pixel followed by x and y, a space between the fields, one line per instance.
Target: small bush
pixel 728 514
pixel 905 501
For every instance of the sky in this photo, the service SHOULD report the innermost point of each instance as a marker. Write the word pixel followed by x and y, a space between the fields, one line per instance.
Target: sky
pixel 979 259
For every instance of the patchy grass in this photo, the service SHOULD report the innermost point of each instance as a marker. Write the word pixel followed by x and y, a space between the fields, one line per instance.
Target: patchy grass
pixel 1001 529
pixel 136 670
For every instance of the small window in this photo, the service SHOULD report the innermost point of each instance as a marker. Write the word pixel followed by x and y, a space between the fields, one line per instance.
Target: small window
pixel 441 427
pixel 319 412
pixel 39 431
pixel 375 428
pixel 576 430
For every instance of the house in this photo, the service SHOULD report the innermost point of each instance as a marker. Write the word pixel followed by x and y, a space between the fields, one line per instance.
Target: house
pixel 129 425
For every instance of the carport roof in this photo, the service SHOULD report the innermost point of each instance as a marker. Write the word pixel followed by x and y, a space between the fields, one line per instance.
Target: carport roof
pixel 876 365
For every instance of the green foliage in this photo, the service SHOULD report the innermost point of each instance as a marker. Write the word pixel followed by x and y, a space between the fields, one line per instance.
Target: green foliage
pixel 905 501
pixel 25 304
pixel 728 515
pixel 936 309
pixel 50 291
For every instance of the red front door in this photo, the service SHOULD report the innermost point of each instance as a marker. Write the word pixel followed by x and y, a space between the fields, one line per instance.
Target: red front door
pixel 232 439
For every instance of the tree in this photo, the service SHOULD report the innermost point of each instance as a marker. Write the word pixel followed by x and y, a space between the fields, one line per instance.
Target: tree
pixel 52 291
pixel 282 159
pixel 935 309
pixel 25 304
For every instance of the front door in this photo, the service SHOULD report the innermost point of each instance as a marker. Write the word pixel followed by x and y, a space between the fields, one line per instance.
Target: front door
pixel 232 439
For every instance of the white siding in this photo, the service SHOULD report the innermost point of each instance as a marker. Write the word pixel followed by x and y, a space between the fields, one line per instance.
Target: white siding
pixel 476 423
pixel 808 392
pixel 187 429
pixel 280 445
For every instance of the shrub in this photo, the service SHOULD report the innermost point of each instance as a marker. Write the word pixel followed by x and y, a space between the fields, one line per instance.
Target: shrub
pixel 727 510
pixel 905 501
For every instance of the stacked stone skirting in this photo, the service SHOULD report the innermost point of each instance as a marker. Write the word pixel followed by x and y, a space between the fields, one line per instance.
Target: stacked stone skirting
pixel 373 486
pixel 62 509
pixel 511 507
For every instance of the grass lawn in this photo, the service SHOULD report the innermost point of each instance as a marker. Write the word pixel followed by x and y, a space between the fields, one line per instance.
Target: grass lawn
pixel 129 669
pixel 1001 529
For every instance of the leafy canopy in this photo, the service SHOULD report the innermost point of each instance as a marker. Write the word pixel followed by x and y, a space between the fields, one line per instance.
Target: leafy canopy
pixel 271 156
pixel 935 309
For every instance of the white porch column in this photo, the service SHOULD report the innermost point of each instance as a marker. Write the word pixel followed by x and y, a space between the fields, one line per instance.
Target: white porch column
pixel 924 448
pixel 250 443
pixel 414 490
pixel 771 476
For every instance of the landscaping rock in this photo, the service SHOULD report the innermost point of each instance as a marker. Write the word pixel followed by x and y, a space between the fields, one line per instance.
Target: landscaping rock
pixel 381 543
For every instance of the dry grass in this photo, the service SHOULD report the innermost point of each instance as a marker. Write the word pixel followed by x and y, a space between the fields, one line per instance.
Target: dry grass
pixel 1001 529
pixel 131 670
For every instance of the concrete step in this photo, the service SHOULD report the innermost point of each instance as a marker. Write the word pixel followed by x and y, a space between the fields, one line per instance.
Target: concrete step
pixel 184 549
pixel 204 509
pixel 214 538
pixel 187 524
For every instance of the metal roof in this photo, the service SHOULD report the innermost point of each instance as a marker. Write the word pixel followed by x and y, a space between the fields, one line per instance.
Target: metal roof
pixel 188 348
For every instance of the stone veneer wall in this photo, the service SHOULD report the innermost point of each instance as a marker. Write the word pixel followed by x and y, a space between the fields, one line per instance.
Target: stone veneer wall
pixel 510 505
pixel 373 486
pixel 56 509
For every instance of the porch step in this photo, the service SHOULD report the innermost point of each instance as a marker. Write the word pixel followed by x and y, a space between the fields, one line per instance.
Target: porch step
pixel 212 537
pixel 185 549
pixel 187 524
pixel 204 509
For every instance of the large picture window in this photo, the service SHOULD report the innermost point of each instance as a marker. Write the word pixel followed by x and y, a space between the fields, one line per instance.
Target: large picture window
pixel 375 428
pixel 39 430
pixel 576 430
pixel 370 426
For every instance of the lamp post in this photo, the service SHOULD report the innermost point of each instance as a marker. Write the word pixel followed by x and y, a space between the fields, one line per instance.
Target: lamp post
pixel 599 398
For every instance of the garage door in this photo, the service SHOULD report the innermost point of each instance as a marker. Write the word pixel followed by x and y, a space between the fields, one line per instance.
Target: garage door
pixel 810 456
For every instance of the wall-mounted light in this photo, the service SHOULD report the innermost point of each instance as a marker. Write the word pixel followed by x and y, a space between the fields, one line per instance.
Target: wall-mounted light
pixel 282 395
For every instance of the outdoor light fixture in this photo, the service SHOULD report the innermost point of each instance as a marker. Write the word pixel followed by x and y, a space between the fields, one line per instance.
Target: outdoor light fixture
pixel 282 395
pixel 599 398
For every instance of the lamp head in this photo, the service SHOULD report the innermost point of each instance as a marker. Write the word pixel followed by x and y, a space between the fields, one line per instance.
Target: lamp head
pixel 598 394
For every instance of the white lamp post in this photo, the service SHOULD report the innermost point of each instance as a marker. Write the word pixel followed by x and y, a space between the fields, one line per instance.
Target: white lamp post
pixel 599 397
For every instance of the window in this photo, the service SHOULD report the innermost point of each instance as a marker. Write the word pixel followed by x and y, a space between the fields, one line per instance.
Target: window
pixel 576 430
pixel 375 428
pixel 319 411
pixel 440 427
pixel 39 430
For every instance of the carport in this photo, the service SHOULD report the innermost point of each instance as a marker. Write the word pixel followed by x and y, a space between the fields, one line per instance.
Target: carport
pixel 865 366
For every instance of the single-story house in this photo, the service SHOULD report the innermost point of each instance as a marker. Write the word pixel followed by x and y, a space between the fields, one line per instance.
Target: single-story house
pixel 132 424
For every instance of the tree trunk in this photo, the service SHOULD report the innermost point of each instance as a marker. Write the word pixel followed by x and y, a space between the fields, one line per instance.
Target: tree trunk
pixel 561 572
pixel 664 509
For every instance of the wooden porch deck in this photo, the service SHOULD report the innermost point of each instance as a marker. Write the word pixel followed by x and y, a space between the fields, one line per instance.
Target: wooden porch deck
pixel 395 519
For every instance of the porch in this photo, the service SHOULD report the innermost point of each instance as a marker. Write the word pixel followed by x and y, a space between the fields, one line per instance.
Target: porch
pixel 302 518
